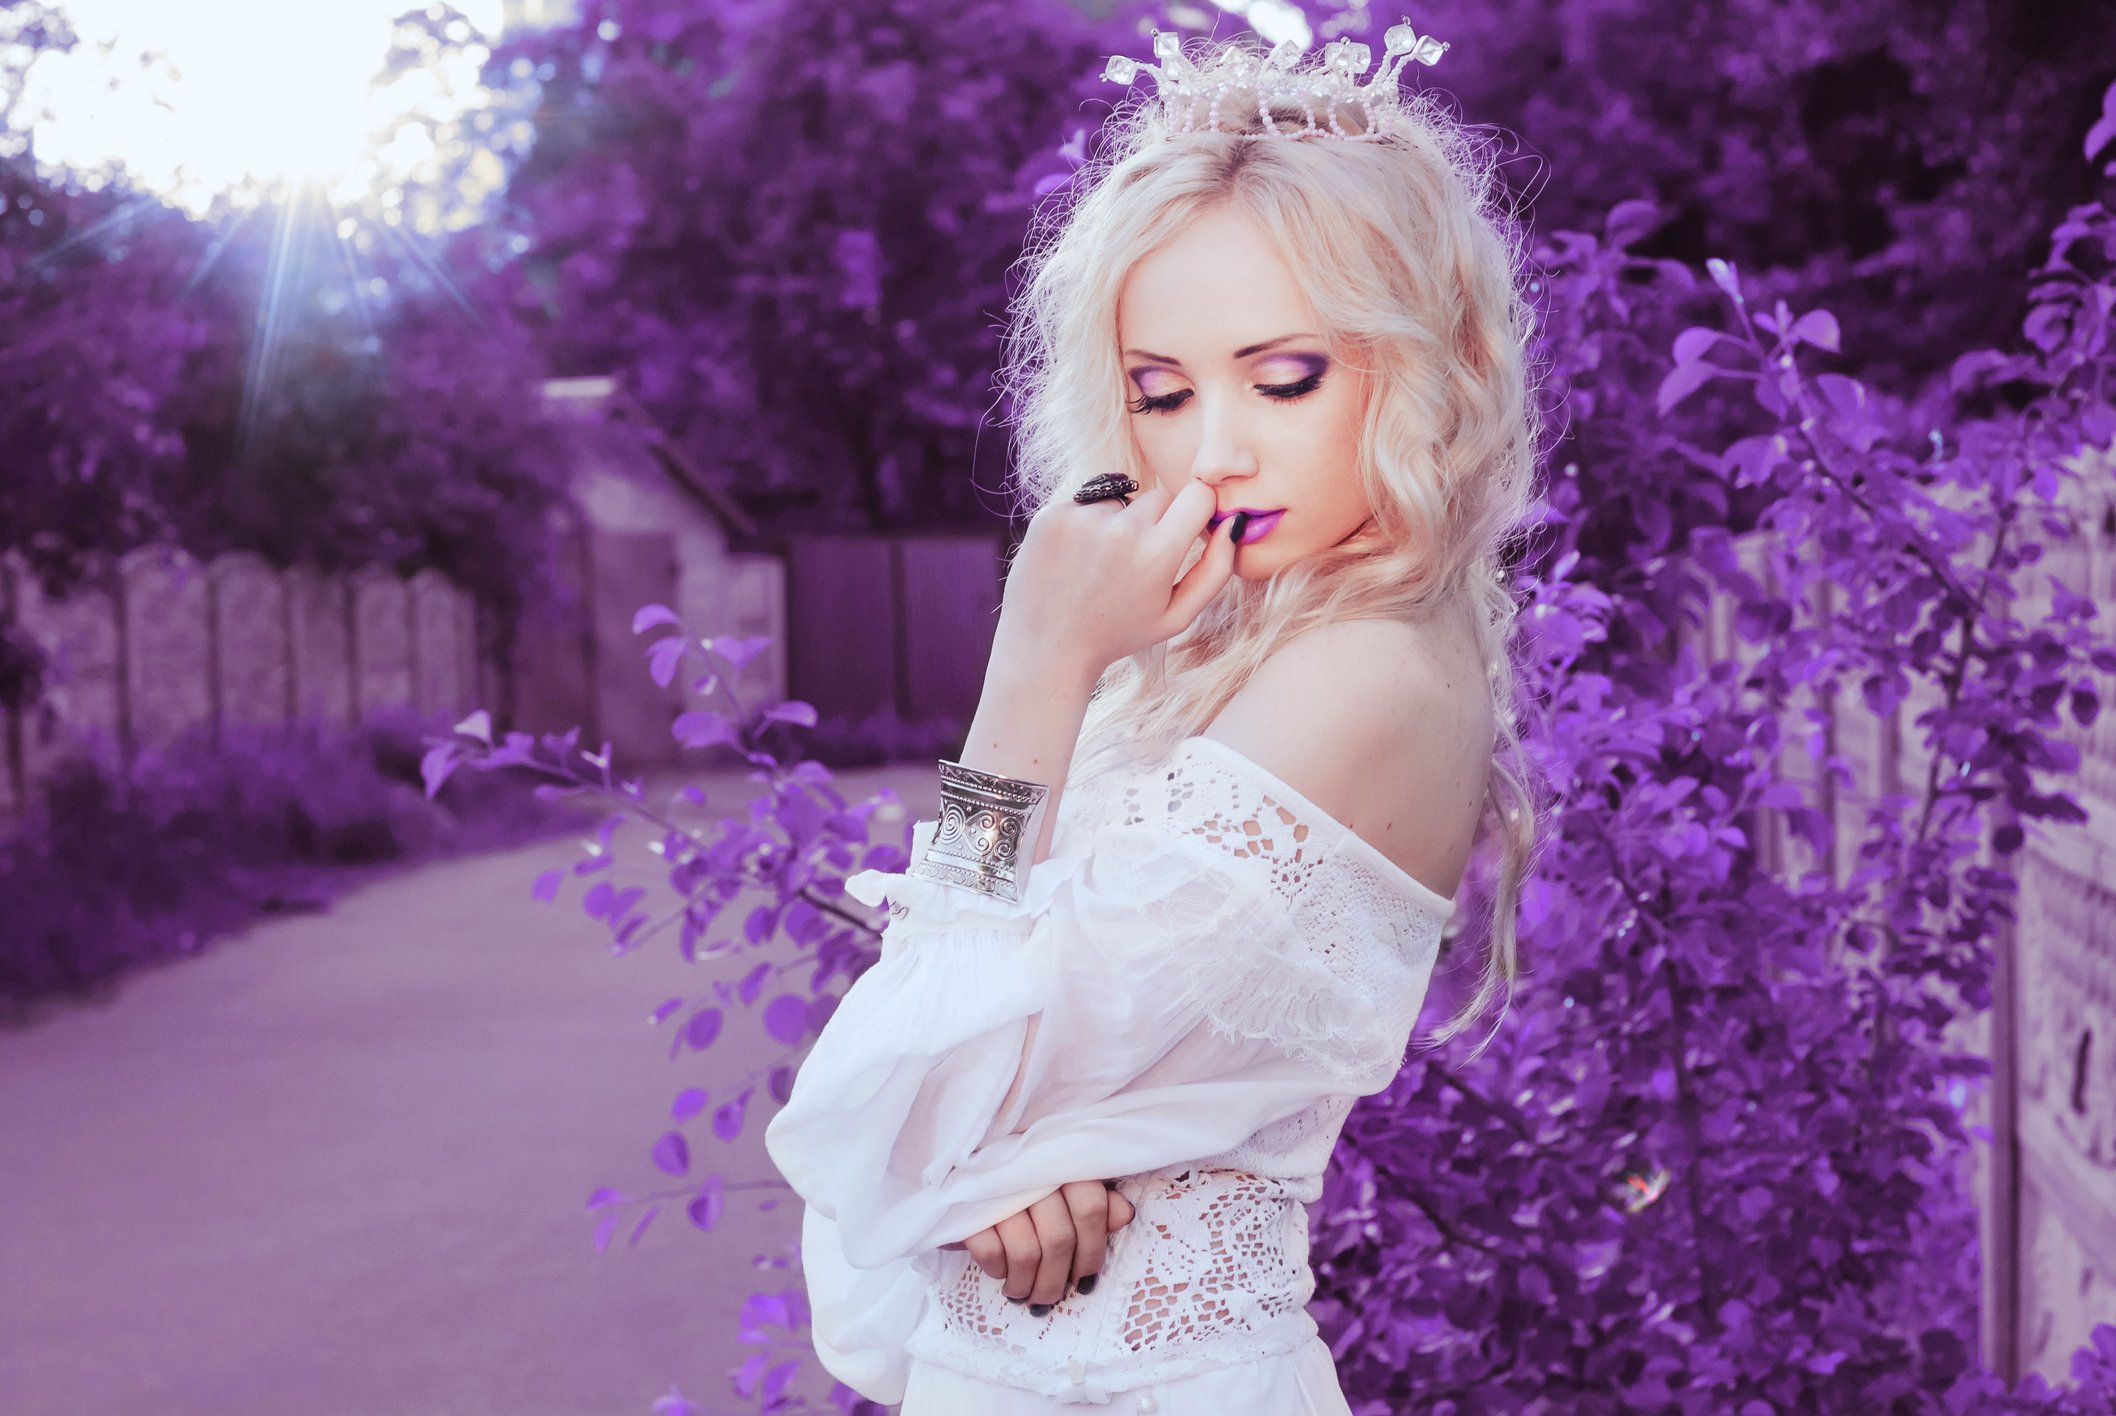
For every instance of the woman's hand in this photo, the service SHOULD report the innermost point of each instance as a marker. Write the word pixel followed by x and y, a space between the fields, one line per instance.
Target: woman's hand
pixel 1055 1243
pixel 1091 584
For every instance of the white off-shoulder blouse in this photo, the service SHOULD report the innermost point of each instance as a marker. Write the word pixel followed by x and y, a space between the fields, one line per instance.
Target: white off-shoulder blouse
pixel 1219 970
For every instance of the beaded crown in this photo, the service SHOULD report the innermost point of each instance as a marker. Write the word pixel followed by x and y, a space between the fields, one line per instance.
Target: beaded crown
pixel 1195 99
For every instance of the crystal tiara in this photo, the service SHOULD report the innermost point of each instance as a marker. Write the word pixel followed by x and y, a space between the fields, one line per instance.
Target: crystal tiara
pixel 1194 99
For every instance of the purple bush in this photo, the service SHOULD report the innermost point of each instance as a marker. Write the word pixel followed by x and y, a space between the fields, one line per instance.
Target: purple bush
pixel 111 869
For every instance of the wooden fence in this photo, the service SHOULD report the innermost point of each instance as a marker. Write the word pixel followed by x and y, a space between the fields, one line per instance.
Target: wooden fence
pixel 2046 1177
pixel 899 622
pixel 160 644
pixel 859 624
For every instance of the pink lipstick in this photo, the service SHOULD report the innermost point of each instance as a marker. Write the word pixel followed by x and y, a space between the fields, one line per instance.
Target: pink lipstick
pixel 1253 525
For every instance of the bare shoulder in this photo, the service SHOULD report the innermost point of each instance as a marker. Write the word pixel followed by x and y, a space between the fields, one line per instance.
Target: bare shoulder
pixel 1385 725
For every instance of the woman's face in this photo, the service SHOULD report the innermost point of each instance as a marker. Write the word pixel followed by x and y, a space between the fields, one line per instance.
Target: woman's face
pixel 1267 429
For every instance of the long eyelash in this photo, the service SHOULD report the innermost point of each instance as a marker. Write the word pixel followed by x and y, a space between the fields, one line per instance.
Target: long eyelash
pixel 1284 393
pixel 1291 391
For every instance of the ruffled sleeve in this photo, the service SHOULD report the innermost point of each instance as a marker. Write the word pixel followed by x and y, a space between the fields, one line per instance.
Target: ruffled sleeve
pixel 1179 1005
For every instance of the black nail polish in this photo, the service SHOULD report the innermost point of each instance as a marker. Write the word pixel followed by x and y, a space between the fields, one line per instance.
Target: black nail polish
pixel 1037 1310
pixel 1087 1285
pixel 1241 524
pixel 1017 1300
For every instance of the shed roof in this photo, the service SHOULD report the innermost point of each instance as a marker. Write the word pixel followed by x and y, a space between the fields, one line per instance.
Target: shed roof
pixel 584 397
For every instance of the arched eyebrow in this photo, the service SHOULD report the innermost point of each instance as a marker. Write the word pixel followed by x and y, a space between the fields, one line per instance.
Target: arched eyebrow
pixel 1242 353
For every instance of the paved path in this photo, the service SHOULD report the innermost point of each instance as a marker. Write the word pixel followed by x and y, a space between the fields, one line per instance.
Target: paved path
pixel 337 1166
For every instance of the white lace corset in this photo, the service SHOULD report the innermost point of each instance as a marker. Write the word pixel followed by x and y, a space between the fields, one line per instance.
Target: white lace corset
pixel 1213 1270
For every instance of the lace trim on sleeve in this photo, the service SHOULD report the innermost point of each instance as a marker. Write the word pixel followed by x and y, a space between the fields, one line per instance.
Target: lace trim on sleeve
pixel 1337 980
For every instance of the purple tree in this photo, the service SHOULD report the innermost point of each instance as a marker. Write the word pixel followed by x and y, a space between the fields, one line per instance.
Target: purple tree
pixel 789 225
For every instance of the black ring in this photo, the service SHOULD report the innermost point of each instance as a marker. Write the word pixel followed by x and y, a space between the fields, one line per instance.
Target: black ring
pixel 1106 485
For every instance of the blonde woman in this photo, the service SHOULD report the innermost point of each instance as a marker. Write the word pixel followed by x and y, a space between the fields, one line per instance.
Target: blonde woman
pixel 1249 711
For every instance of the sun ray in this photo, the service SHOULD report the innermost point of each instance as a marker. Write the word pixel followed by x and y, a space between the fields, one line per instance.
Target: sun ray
pixel 421 256
pixel 87 235
pixel 224 234
pixel 264 342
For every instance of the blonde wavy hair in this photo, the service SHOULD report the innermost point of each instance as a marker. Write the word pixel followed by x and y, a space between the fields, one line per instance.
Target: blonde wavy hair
pixel 1415 272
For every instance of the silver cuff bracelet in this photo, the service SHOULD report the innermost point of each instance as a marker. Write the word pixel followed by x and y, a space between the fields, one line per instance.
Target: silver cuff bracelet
pixel 987 832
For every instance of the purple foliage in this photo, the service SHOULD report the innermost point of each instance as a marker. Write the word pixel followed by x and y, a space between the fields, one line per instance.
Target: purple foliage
pixel 111 869
pixel 812 309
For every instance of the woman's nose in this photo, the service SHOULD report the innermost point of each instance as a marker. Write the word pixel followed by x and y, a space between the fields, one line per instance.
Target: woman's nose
pixel 1223 451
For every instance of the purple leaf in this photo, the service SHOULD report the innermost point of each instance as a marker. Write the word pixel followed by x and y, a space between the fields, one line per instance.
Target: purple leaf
pixel 727 1121
pixel 647 616
pixel 1682 381
pixel 1628 221
pixel 776 1379
pixel 2103 130
pixel 786 1018
pixel 702 729
pixel 603 1232
pixel 703 1027
pixel 603 1197
pixel 545 886
pixel 672 1153
pixel 759 924
pixel 641 1227
pixel 761 1309
pixel 689 1102
pixel 1846 395
pixel 1819 328
pixel 663 655
pixel 803 921
pixel 661 1014
pixel 744 1378
pixel 437 766
pixel 705 1210
pixel 1769 396
pixel 1693 343
pixel 753 983
pixel 596 903
pixel 793 710
pixel 738 652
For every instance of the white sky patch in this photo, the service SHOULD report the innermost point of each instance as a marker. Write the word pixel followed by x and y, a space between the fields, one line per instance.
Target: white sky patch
pixel 237 94
pixel 240 96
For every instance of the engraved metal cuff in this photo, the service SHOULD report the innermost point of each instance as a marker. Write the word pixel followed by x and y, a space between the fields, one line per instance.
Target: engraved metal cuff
pixel 987 832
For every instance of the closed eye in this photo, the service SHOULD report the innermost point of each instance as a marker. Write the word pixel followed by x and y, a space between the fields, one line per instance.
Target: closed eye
pixel 1282 393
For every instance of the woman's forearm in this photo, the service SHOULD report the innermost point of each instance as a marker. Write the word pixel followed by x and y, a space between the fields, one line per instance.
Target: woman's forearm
pixel 1028 721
